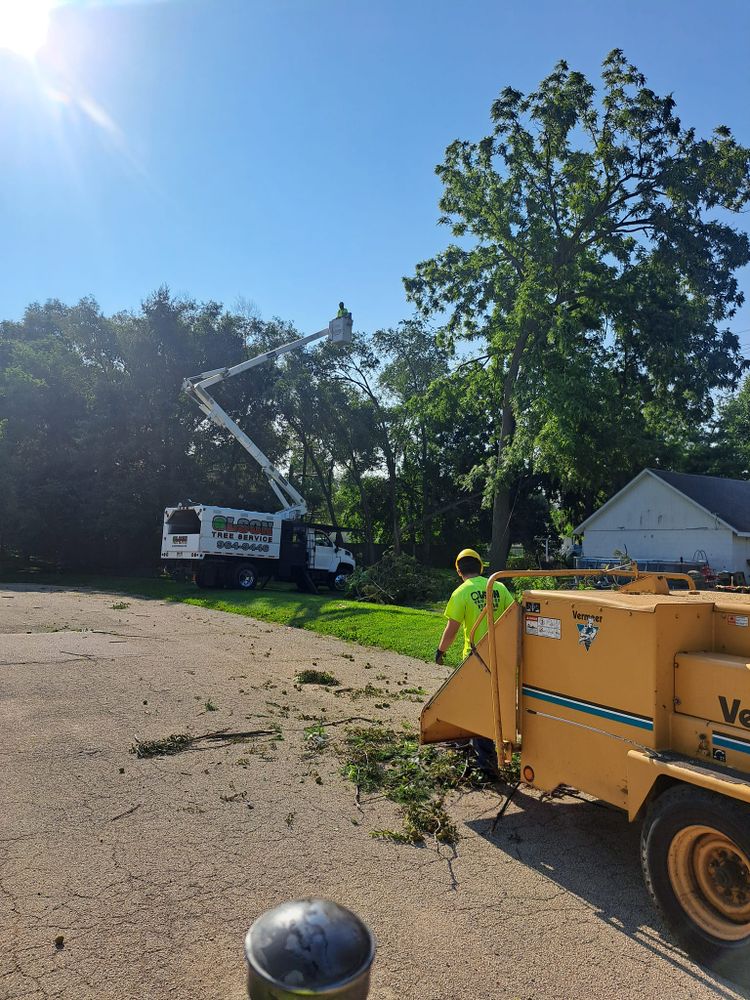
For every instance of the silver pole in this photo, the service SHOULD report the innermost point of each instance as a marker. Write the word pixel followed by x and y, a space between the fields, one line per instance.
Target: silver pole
pixel 309 948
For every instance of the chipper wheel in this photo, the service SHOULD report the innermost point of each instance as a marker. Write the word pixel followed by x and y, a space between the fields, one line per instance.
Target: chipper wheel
pixel 695 852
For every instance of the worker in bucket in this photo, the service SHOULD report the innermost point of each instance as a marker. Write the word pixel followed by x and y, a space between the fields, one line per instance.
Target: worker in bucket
pixel 343 311
pixel 467 603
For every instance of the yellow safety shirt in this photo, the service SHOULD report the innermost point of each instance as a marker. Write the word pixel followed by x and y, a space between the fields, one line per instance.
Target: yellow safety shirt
pixel 467 603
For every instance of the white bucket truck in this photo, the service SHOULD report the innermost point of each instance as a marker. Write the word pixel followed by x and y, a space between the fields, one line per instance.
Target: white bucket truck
pixel 224 547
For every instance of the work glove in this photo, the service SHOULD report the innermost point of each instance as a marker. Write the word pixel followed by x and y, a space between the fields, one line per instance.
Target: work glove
pixel 439 656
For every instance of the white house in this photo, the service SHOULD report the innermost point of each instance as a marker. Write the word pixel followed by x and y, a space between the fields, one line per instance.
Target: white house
pixel 669 517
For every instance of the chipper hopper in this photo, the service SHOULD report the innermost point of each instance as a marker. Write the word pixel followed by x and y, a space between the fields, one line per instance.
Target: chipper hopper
pixel 641 698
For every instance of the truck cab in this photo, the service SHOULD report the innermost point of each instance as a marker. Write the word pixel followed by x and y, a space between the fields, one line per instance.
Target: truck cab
pixel 328 559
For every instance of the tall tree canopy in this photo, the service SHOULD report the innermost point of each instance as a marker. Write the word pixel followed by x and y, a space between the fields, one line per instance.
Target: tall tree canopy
pixel 595 262
pixel 96 437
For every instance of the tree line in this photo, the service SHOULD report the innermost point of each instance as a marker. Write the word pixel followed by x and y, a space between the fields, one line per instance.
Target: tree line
pixel 97 437
pixel 573 331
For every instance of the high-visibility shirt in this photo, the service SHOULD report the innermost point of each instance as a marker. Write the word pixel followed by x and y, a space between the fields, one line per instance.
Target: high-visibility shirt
pixel 467 603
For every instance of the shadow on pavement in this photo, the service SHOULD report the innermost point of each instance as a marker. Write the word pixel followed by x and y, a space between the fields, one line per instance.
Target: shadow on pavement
pixel 592 851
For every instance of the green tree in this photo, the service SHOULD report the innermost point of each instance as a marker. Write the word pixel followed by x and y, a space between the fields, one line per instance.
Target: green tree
pixel 45 403
pixel 411 362
pixel 350 423
pixel 95 439
pixel 358 369
pixel 589 232
pixel 725 449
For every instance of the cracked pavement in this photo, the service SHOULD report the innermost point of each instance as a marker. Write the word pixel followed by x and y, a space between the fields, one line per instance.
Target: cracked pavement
pixel 147 873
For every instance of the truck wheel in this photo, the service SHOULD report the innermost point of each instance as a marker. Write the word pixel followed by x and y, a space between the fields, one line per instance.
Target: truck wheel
pixel 245 577
pixel 339 579
pixel 695 852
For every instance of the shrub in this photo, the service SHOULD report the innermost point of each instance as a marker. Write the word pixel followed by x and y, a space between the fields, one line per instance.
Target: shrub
pixel 519 562
pixel 518 584
pixel 396 579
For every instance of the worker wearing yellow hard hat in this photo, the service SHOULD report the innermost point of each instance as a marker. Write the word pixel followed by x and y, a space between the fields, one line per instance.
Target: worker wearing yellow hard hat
pixel 467 603
pixel 472 554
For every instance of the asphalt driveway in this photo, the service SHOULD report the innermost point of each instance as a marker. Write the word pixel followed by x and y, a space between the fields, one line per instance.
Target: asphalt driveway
pixel 129 879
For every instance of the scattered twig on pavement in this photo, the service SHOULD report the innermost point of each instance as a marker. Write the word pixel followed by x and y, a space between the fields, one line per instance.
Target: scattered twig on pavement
pixel 127 812
pixel 341 722
pixel 178 742
pixel 126 635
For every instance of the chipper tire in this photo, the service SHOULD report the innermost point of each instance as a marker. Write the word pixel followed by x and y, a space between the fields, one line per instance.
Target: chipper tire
pixel 695 852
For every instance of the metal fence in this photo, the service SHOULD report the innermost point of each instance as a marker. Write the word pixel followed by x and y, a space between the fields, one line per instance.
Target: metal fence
pixel 646 565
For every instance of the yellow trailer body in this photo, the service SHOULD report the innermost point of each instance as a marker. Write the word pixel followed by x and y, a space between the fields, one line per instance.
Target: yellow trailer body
pixel 600 667
pixel 643 701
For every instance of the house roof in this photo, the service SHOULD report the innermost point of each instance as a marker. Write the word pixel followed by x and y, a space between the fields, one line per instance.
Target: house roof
pixel 727 499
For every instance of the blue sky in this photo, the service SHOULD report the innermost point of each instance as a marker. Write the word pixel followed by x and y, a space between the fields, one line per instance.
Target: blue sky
pixel 282 152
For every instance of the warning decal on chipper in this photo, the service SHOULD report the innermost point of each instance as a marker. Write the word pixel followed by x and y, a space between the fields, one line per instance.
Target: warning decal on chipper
pixel 740 620
pixel 548 628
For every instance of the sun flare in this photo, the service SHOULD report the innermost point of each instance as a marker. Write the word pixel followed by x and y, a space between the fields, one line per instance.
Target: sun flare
pixel 23 25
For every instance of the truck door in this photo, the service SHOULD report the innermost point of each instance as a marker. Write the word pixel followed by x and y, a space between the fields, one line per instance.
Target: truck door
pixel 293 554
pixel 324 557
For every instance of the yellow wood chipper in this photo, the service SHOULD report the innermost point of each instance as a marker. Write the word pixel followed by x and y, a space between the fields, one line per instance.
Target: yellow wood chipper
pixel 639 697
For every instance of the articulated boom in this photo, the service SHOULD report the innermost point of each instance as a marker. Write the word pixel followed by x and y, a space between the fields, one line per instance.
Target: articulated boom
pixel 293 503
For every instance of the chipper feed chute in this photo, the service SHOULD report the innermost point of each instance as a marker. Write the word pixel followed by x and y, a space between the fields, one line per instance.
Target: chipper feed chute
pixel 477 700
pixel 461 707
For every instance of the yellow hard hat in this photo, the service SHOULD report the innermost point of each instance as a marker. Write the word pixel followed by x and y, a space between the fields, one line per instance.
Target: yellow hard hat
pixel 469 554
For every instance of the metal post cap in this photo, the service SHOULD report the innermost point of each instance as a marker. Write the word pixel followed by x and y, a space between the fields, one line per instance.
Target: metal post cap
pixel 309 947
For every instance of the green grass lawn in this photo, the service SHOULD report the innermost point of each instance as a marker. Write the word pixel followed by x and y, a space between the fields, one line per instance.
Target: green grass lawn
pixel 413 631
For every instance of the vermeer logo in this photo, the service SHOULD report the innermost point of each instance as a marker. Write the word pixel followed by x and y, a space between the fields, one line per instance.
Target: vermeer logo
pixel 588 628
pixel 586 618
pixel 588 631
pixel 732 712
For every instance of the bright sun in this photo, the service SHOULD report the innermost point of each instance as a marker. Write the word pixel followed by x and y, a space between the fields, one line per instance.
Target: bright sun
pixel 23 25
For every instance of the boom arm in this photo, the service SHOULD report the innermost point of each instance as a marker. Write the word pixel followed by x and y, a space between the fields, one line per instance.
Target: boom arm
pixel 293 503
